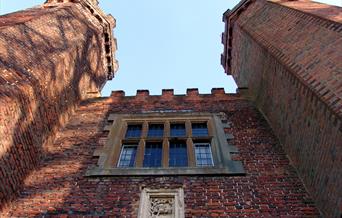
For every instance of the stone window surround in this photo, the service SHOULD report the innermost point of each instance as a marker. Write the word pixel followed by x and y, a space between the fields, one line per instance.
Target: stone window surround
pixel 110 153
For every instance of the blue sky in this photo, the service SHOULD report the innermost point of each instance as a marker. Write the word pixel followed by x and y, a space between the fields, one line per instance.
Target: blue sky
pixel 164 44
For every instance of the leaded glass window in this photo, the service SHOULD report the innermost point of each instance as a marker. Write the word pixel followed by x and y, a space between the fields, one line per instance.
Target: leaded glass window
pixel 199 129
pixel 133 131
pixel 178 156
pixel 203 154
pixel 177 130
pixel 153 154
pixel 155 130
pixel 158 144
pixel 127 156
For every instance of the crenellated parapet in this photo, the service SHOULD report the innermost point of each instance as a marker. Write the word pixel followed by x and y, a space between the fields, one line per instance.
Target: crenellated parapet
pixel 191 94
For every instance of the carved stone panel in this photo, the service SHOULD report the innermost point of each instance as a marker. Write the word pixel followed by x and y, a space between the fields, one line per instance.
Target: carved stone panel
pixel 161 203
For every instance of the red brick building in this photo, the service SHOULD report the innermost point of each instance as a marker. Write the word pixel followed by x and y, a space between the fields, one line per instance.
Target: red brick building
pixel 272 150
pixel 287 56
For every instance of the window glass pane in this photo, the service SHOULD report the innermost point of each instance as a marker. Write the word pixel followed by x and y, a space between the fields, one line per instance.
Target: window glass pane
pixel 155 130
pixel 199 129
pixel 153 154
pixel 203 154
pixel 133 131
pixel 178 129
pixel 127 156
pixel 178 156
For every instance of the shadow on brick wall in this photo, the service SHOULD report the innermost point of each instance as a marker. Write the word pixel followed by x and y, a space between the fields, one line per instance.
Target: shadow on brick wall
pixel 41 83
pixel 59 187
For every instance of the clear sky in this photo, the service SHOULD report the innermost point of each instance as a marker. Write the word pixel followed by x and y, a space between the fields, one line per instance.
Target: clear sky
pixel 164 43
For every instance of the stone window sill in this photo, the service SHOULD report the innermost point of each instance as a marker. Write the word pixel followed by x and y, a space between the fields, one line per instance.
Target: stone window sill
pixel 234 168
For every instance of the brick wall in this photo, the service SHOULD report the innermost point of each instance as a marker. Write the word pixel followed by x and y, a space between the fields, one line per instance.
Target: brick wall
pixel 271 186
pixel 289 61
pixel 50 59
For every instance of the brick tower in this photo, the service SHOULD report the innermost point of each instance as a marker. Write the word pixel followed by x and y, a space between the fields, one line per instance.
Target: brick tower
pixel 286 57
pixel 51 57
pixel 272 150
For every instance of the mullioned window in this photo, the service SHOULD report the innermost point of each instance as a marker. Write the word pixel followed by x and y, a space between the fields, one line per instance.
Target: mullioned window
pixel 166 144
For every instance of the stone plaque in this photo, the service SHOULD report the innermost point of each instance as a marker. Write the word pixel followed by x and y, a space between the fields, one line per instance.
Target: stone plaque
pixel 161 203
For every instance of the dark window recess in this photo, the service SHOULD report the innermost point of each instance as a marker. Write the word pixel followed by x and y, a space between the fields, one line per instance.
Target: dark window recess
pixel 127 156
pixel 153 154
pixel 177 130
pixel 178 156
pixel 199 129
pixel 133 131
pixel 106 35
pixel 156 130
pixel 107 48
pixel 203 155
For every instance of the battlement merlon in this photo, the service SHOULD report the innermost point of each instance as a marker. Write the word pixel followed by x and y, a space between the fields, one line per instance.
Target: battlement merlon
pixel 107 22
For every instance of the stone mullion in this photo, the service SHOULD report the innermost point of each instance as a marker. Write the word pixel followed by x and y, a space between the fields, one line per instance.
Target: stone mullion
pixel 188 129
pixel 210 128
pixel 166 147
pixel 140 153
pixel 166 144
pixel 114 159
pixel 144 130
pixel 167 129
pixel 141 146
pixel 190 144
pixel 191 152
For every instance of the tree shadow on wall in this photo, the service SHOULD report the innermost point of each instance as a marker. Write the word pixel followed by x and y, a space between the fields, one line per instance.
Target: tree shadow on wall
pixel 52 66
pixel 60 183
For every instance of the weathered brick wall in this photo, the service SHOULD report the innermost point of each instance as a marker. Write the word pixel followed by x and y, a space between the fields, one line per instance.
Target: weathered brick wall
pixel 290 63
pixel 271 186
pixel 50 59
